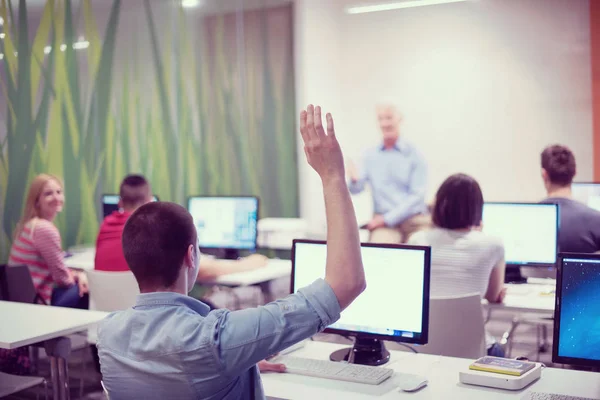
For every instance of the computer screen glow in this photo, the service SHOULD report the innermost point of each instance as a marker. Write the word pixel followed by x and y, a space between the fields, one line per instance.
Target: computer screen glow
pixel 225 222
pixel 587 193
pixel 528 230
pixel 392 304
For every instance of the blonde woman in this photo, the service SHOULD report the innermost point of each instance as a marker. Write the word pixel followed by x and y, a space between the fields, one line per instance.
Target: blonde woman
pixel 37 244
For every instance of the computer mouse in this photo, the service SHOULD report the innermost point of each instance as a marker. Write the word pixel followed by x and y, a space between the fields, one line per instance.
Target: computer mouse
pixel 412 385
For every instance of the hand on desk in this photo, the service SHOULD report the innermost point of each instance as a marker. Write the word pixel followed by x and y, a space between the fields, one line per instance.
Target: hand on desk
pixel 376 222
pixel 266 366
pixel 502 295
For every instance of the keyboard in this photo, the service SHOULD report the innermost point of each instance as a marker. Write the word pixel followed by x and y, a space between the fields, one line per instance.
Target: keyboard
pixel 336 370
pixel 551 396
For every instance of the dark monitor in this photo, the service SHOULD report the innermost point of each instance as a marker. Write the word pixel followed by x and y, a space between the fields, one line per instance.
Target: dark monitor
pixel 529 232
pixel 395 305
pixel 577 310
pixel 588 193
pixel 110 203
pixel 225 222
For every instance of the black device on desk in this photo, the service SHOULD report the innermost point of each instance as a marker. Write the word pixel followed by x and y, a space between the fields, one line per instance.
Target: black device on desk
pixel 394 307
pixel 227 223
pixel 529 232
pixel 577 310
pixel 110 203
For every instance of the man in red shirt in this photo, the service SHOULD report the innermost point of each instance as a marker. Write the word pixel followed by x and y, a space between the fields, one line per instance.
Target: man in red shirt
pixel 134 192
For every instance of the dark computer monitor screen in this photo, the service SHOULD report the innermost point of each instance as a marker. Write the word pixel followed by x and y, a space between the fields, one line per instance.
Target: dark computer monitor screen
pixel 395 305
pixel 529 231
pixel 110 203
pixel 587 193
pixel 577 310
pixel 225 222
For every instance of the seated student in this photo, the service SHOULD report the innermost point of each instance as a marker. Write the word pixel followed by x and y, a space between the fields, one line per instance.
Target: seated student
pixel 37 244
pixel 134 192
pixel 579 224
pixel 171 346
pixel 464 260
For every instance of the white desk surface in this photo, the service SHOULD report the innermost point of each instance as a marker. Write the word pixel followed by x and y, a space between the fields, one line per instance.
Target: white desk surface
pixel 534 297
pixel 442 373
pixel 82 260
pixel 24 324
pixel 273 270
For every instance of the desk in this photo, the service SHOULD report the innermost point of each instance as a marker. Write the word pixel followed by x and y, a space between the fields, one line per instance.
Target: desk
pixel 534 297
pixel 83 260
pixel 442 373
pixel 262 277
pixel 25 324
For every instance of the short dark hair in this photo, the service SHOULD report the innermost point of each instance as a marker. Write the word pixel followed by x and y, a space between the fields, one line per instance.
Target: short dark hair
pixel 134 191
pixel 155 241
pixel 458 203
pixel 559 163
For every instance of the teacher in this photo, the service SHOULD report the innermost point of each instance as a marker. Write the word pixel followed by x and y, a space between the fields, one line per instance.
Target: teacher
pixel 397 175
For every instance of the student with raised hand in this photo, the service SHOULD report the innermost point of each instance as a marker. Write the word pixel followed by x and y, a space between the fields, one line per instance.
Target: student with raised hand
pixel 464 260
pixel 579 224
pixel 171 346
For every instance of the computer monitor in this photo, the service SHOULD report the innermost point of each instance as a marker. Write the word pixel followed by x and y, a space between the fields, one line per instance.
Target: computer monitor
pixel 110 203
pixel 587 193
pixel 395 305
pixel 577 310
pixel 529 232
pixel 225 222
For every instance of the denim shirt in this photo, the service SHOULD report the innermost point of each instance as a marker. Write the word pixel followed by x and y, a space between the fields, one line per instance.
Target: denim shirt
pixel 398 180
pixel 169 346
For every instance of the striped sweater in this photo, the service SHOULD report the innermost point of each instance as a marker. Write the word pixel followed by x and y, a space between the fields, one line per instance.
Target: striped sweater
pixel 38 246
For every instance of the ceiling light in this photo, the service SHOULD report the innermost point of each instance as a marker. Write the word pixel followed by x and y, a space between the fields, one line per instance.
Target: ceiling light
pixel 47 49
pixel 81 44
pixel 2 35
pixel 1 56
pixel 396 5
pixel 1 21
pixel 190 3
pixel 63 47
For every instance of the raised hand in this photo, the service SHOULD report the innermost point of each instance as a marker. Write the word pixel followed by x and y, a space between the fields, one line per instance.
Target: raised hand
pixel 322 150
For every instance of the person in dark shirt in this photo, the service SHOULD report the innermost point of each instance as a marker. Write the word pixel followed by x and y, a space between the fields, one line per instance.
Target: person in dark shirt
pixel 579 224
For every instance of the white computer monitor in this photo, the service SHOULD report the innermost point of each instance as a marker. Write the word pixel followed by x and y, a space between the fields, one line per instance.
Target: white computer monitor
pixel 395 305
pixel 225 222
pixel 588 193
pixel 529 231
pixel 110 203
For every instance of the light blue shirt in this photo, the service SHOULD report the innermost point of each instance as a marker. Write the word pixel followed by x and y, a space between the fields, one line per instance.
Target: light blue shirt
pixel 169 346
pixel 398 180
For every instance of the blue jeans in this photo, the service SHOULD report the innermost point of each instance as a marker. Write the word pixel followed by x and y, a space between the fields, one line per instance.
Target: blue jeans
pixel 496 351
pixel 68 296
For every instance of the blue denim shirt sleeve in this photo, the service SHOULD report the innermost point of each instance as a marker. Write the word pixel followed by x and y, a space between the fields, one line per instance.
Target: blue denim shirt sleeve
pixel 414 199
pixel 243 338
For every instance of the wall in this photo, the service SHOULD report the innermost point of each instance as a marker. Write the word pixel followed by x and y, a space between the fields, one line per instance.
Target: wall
pixel 483 86
pixel 200 104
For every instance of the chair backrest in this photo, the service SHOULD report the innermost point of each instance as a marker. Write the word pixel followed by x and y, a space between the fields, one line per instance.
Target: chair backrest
pixel 456 327
pixel 16 284
pixel 112 291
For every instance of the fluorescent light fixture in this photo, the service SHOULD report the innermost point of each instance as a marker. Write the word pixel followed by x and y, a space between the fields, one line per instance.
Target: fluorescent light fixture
pixel 367 8
pixel 47 49
pixel 2 35
pixel 81 44
pixel 190 3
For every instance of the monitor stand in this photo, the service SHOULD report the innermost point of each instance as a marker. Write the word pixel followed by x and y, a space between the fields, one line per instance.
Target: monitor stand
pixel 513 275
pixel 365 351
pixel 231 254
